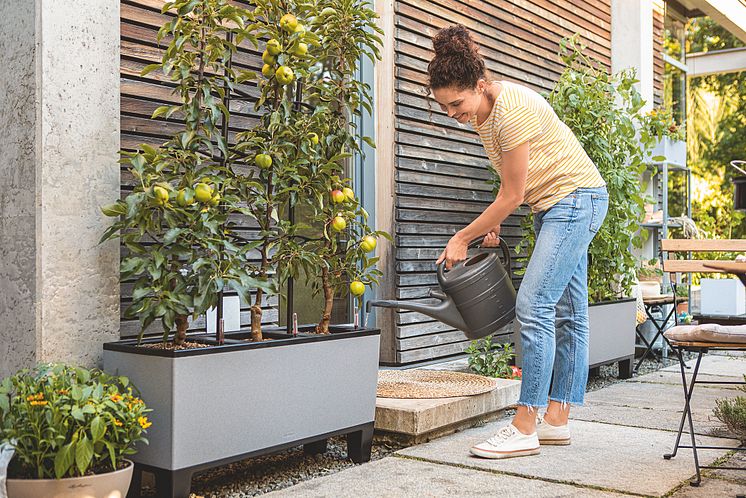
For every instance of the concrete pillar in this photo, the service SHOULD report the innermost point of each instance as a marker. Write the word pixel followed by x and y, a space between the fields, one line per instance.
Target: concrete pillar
pixel 59 137
pixel 632 42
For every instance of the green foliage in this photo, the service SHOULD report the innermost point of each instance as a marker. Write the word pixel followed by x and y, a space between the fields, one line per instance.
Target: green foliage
pixel 69 421
pixel 177 223
pixel 732 413
pixel 603 111
pixel 490 359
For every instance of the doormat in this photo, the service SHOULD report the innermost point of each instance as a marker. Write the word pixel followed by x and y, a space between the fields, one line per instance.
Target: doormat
pixel 424 384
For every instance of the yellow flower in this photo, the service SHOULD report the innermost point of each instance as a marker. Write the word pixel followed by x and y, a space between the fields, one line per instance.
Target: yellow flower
pixel 118 423
pixel 143 421
pixel 116 398
pixel 38 403
pixel 64 391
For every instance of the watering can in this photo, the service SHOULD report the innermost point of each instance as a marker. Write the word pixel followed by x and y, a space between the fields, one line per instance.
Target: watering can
pixel 476 296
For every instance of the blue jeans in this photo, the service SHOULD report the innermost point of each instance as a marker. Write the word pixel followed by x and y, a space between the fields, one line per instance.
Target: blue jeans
pixel 552 302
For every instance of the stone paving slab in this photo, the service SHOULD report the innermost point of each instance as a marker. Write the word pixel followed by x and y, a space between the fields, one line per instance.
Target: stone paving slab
pixel 665 420
pixel 674 378
pixel 738 460
pixel 664 397
pixel 625 459
pixel 711 488
pixel 397 477
pixel 717 364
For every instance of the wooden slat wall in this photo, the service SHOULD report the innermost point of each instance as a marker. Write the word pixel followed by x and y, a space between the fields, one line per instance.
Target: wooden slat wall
pixel 441 168
pixel 658 65
pixel 140 21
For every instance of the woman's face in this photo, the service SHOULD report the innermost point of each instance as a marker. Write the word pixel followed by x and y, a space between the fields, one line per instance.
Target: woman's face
pixel 460 105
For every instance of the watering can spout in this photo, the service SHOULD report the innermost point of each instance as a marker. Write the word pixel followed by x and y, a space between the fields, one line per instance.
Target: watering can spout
pixel 445 310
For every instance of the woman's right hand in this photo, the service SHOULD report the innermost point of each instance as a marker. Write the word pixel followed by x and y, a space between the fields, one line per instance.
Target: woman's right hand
pixel 492 239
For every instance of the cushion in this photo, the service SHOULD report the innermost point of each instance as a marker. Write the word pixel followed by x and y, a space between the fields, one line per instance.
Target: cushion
pixel 707 332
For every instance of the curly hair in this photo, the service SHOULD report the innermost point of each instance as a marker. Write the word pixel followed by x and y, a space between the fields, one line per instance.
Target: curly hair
pixel 457 62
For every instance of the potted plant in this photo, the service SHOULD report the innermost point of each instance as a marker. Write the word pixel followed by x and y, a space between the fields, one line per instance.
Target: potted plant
pixel 669 137
pixel 603 111
pixel 70 428
pixel 219 401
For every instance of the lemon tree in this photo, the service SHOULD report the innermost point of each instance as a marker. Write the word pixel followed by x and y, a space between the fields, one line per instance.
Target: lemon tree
pixel 177 224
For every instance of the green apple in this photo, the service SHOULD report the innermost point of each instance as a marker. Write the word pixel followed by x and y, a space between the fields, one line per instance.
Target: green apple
pixel 300 50
pixel 314 138
pixel 339 223
pixel 185 197
pixel 264 161
pixel 338 196
pixel 349 194
pixel 288 23
pixel 274 47
pixel 203 192
pixel 357 288
pixel 368 244
pixel 284 75
pixel 161 194
pixel 268 58
pixel 267 71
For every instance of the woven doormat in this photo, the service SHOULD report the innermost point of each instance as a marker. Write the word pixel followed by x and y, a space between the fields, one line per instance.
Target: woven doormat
pixel 422 384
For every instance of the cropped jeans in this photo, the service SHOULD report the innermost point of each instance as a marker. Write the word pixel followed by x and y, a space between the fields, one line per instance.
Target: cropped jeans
pixel 552 302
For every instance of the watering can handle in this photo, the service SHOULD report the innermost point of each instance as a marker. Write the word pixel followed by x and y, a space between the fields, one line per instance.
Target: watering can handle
pixel 475 243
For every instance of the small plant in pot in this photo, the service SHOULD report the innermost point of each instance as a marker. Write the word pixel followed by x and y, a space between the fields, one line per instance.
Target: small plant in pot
pixel 69 427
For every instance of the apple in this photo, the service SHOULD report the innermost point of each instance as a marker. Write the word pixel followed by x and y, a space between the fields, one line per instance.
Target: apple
pixel 338 196
pixel 268 58
pixel 300 49
pixel 274 47
pixel 185 197
pixel 284 75
pixel 368 244
pixel 288 23
pixel 264 161
pixel 357 288
pixel 349 193
pixel 339 223
pixel 203 192
pixel 267 71
pixel 301 30
pixel 215 199
pixel 161 194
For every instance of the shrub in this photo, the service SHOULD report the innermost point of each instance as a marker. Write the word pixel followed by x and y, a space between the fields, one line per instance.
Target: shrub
pixel 732 413
pixel 68 421
pixel 492 360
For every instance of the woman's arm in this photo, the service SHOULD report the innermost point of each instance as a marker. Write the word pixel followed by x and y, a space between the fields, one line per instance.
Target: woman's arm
pixel 509 197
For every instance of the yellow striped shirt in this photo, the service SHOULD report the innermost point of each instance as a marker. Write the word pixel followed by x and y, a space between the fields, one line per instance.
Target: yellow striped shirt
pixel 557 163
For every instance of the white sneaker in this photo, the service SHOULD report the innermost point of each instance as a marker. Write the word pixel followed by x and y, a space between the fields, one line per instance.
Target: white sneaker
pixel 557 435
pixel 507 443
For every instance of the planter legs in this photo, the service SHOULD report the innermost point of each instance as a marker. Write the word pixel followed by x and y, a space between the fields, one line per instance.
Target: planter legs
pixel 626 368
pixel 315 448
pixel 168 483
pixel 359 444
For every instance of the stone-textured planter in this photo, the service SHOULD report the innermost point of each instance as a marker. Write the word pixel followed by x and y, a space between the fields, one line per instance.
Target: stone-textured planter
pixel 612 336
pixel 109 485
pixel 220 404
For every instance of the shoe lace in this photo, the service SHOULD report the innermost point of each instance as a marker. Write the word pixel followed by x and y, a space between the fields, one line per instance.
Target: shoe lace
pixel 501 436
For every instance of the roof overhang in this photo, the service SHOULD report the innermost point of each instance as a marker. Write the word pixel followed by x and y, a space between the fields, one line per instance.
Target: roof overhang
pixel 730 14
pixel 716 62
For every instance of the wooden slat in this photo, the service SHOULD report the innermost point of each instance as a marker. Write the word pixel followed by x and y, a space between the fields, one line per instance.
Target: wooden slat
pixel 691 265
pixel 703 245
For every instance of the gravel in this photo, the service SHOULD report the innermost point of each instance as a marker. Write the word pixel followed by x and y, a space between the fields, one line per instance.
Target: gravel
pixel 261 475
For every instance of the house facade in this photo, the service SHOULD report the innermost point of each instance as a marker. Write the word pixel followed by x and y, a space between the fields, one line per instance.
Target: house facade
pixel 71 96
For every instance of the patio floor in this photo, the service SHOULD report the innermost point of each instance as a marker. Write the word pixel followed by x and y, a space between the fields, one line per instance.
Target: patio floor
pixel 619 438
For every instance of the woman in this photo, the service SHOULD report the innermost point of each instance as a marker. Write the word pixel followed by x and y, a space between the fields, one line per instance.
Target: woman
pixel 540 162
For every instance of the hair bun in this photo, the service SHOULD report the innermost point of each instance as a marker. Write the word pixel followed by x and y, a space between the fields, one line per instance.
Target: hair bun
pixel 454 40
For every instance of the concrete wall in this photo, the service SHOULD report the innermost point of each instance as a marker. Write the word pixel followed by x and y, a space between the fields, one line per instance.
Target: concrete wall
pixel 59 137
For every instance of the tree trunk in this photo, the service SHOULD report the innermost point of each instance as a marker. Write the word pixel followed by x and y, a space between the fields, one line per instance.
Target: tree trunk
pixel 182 324
pixel 256 318
pixel 323 326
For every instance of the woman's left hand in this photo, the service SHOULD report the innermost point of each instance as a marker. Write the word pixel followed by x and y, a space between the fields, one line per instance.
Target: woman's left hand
pixel 454 252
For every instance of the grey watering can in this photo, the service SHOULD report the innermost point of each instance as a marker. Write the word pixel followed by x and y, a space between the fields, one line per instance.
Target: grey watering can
pixel 476 296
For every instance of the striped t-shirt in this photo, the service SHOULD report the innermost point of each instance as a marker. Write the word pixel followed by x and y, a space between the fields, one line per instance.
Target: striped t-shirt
pixel 557 163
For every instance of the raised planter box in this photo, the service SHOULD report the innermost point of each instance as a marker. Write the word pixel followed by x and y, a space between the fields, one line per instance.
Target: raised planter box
pixel 612 334
pixel 220 404
pixel 673 150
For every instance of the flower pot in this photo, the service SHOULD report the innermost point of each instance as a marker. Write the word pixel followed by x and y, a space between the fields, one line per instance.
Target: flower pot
pixel 673 150
pixel 110 485
pixel 612 334
pixel 242 399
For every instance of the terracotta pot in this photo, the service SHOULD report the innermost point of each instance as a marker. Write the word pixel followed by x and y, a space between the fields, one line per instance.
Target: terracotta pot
pixel 110 485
